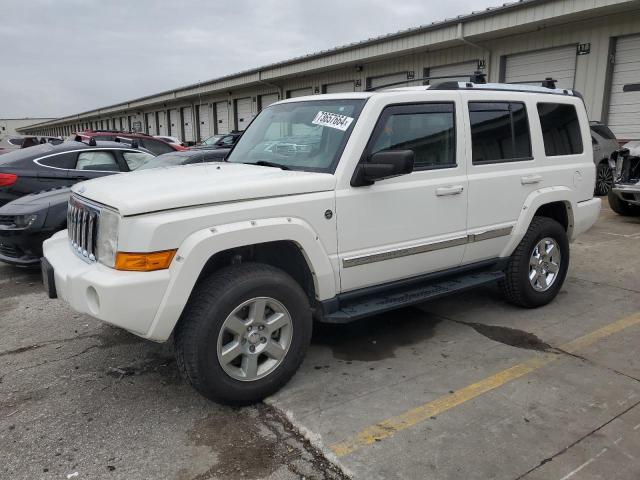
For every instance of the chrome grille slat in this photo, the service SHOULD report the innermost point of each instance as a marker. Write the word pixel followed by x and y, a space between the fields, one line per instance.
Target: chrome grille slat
pixel 82 223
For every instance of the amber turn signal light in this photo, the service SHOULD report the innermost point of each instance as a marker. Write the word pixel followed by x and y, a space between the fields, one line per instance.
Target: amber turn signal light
pixel 144 262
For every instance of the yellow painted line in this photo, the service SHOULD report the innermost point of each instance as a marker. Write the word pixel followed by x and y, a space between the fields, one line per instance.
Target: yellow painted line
pixel 387 428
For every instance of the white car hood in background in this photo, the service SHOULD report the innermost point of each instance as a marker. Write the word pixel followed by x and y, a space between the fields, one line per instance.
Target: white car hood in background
pixel 198 184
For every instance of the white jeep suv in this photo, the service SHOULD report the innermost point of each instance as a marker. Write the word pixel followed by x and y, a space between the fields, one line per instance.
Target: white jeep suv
pixel 333 208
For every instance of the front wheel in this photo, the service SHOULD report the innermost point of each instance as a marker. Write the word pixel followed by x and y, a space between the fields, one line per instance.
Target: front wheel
pixel 537 268
pixel 243 334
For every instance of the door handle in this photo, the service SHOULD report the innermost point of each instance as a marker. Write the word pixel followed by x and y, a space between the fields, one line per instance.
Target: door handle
pixel 530 179
pixel 449 190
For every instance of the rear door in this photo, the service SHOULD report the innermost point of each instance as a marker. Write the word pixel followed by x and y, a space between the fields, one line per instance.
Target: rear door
pixel 502 171
pixel 96 163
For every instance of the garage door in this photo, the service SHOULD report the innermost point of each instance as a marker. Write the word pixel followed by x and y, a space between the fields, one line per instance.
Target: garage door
pixel 339 87
pixel 266 100
pixel 123 124
pixel 162 123
pixel 204 124
pixel 222 117
pixel 466 69
pixel 557 63
pixel 299 92
pixel 244 114
pixel 187 118
pixel 151 123
pixel 624 107
pixel 174 124
pixel 374 82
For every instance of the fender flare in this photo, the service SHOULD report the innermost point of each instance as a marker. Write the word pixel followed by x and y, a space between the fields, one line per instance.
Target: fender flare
pixel 531 205
pixel 200 246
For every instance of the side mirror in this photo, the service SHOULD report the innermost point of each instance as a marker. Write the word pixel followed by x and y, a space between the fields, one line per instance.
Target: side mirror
pixel 381 165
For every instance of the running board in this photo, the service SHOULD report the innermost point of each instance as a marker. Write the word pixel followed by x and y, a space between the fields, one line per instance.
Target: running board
pixel 368 305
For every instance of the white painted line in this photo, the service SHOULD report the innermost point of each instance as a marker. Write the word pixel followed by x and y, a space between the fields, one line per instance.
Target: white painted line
pixel 592 459
pixel 636 427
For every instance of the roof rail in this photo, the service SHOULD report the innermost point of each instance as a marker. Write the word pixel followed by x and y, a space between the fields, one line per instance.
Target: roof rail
pixel 475 77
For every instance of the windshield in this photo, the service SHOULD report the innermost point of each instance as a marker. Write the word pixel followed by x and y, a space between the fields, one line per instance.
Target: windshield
pixel 211 140
pixel 307 135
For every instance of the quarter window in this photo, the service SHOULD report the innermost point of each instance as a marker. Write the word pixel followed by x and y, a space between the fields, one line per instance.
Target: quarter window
pixel 499 132
pixel 97 161
pixel 427 129
pixel 560 129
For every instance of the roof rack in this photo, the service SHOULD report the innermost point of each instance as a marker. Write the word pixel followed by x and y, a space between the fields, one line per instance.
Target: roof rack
pixel 475 77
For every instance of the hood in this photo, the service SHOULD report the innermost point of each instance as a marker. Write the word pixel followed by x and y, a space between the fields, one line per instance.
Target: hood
pixel 198 184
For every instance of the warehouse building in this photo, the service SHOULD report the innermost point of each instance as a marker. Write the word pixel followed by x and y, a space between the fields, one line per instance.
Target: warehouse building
pixel 592 46
pixel 10 126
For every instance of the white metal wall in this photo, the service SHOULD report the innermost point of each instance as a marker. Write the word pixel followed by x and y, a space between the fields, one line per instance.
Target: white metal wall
pixel 204 121
pixel 557 63
pixel 151 123
pixel 466 68
pixel 187 123
pixel 222 117
pixel 624 107
pixel 339 87
pixel 377 81
pixel 268 99
pixel 244 113
pixel 299 92
pixel 174 124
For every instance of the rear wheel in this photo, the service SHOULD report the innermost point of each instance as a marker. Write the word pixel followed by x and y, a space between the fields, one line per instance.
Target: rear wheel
pixel 538 266
pixel 621 207
pixel 243 334
pixel 604 179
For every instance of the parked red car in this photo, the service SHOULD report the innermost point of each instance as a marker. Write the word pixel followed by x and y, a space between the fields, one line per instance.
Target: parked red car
pixel 154 145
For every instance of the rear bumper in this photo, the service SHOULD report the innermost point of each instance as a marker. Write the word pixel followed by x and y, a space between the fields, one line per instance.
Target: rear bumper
pixel 128 300
pixel 585 216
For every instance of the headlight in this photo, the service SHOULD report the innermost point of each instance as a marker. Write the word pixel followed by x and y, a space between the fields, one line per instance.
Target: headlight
pixel 107 244
pixel 25 221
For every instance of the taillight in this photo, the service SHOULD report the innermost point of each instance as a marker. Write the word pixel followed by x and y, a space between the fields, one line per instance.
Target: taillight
pixel 7 179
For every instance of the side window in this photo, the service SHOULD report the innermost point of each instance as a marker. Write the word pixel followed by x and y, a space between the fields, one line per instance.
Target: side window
pixel 97 161
pixel 157 147
pixel 427 129
pixel 228 140
pixel 136 159
pixel 560 129
pixel 499 132
pixel 65 160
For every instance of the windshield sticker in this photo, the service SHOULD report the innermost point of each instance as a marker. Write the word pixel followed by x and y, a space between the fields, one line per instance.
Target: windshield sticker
pixel 332 120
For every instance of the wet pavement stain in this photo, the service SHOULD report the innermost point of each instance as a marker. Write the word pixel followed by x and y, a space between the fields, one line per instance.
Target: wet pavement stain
pixel 511 337
pixel 376 338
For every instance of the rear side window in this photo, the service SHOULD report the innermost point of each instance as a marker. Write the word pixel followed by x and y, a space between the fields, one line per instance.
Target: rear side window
pixel 16 141
pixel 499 132
pixel 64 160
pixel 427 129
pixel 560 129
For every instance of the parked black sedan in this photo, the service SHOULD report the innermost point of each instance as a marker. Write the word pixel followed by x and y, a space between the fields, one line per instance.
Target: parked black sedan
pixel 47 166
pixel 26 222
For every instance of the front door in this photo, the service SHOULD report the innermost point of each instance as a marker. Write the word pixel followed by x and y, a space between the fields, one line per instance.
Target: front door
pixel 412 224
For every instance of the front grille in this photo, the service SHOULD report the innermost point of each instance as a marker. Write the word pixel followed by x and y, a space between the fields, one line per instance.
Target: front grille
pixel 7 220
pixel 10 251
pixel 82 224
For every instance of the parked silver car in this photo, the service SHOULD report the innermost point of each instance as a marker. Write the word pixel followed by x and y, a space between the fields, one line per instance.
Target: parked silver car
pixel 604 144
pixel 624 196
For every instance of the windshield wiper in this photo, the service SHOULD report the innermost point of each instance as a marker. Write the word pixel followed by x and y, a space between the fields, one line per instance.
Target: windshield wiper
pixel 264 163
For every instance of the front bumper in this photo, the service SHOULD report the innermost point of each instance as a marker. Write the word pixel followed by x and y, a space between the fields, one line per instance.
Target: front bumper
pixel 627 193
pixel 22 247
pixel 128 300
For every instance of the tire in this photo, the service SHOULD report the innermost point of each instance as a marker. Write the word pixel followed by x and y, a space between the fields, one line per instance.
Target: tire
pixel 621 207
pixel 203 330
pixel 604 179
pixel 517 286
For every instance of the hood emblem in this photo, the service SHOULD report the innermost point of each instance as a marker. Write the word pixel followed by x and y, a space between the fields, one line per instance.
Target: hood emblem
pixel 81 189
